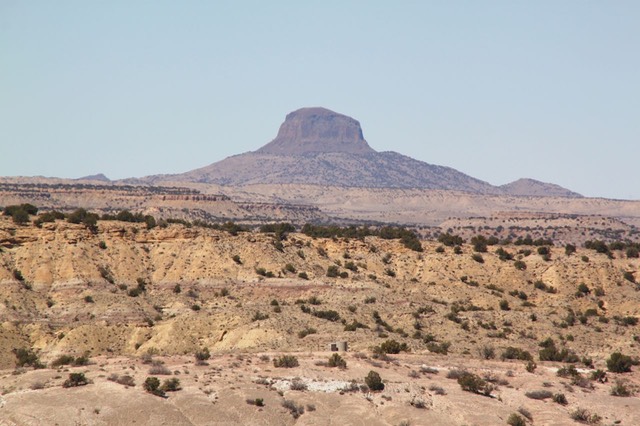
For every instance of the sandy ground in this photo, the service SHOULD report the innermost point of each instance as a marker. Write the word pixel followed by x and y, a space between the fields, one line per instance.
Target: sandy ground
pixel 217 393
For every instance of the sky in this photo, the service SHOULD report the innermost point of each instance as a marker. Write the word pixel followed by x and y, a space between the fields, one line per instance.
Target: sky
pixel 499 90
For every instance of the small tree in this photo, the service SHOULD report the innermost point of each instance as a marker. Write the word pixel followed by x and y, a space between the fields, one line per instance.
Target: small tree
pixel 20 217
pixel 373 381
pixel 202 355
pixel 75 379
pixel 569 249
pixel 619 363
pixel 27 358
pixel 472 383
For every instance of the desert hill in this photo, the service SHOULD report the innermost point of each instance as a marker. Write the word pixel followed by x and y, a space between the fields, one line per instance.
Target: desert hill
pixel 231 278
pixel 126 295
pixel 320 147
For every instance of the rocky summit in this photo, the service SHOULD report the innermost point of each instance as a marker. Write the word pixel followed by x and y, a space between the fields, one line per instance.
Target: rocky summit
pixel 310 130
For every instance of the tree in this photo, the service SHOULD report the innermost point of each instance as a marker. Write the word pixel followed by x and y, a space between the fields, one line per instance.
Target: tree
pixel 75 379
pixel 20 217
pixel 619 363
pixel 374 381
pixel 479 244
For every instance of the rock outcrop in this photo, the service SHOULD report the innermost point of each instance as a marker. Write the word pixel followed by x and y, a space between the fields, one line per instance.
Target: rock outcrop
pixel 312 130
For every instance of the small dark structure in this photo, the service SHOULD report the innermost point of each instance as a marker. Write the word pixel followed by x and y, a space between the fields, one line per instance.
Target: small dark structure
pixel 338 346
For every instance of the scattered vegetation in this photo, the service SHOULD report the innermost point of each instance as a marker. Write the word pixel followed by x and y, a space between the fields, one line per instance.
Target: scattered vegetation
pixel 286 361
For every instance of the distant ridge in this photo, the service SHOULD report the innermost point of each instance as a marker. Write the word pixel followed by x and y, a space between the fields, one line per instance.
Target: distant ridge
pixel 317 146
pixel 535 188
pixel 98 177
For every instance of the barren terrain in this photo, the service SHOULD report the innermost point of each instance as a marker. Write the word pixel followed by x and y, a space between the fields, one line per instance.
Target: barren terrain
pixel 242 296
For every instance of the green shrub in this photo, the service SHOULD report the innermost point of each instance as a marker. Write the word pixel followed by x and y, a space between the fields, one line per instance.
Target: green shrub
pixel 504 305
pixel 259 316
pixel 551 353
pixel 75 379
pixel 286 361
pixel 632 253
pixel 17 274
pixel 450 240
pixel 479 243
pixel 306 331
pixel 27 358
pixel 329 315
pixel 503 254
pixel 470 382
pixel 332 271
pixel 171 385
pixel 336 360
pixel 202 355
pixel 559 398
pixel 584 416
pixel 62 360
pixel 152 385
pixel 583 288
pixel 294 409
pixel 516 353
pixel 374 381
pixel 303 275
pixel 477 257
pixel 619 363
pixel 516 420
pixel 520 265
pixel 620 389
pixel 391 347
pixel 438 348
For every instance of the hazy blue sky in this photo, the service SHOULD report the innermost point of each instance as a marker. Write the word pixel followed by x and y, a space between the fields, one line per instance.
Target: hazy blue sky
pixel 496 89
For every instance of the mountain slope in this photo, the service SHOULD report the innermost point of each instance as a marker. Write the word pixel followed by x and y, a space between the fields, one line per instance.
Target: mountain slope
pixel 316 146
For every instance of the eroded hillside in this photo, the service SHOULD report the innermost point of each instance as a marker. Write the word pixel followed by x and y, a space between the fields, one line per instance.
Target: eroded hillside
pixel 125 290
